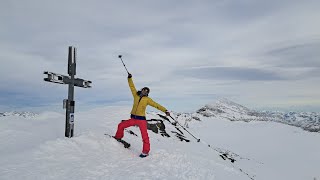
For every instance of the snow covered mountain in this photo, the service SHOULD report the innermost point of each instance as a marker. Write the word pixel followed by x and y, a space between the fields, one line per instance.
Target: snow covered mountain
pixel 226 109
pixel 36 148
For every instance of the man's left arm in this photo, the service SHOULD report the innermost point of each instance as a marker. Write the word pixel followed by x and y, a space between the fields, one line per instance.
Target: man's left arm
pixel 158 106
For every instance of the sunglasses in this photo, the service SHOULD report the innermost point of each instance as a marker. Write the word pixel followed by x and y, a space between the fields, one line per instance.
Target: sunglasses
pixel 145 90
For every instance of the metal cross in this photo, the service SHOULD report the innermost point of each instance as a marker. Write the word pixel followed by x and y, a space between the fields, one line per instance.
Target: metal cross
pixel 69 103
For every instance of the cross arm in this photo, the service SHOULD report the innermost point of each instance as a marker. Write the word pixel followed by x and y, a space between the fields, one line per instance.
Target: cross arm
pixel 63 79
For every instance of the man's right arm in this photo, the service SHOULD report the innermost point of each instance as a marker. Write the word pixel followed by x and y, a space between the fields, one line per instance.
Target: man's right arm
pixel 131 85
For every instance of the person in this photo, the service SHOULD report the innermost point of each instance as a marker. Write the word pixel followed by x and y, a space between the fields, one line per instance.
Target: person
pixel 138 115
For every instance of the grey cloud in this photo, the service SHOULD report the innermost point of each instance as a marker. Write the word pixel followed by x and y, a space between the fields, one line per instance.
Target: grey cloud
pixel 232 73
pixel 296 55
pixel 312 73
pixel 156 38
pixel 243 11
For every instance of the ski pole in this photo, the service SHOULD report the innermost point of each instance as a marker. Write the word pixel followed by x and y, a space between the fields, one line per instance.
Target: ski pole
pixel 198 140
pixel 120 56
pixel 223 155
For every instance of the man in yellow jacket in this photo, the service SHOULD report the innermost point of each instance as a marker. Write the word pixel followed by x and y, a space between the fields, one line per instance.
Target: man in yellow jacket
pixel 138 115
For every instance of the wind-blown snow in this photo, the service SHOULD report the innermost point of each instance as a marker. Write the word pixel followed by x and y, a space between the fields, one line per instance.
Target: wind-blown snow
pixel 35 148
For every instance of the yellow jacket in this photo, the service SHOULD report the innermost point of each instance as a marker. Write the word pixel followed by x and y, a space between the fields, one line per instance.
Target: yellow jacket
pixel 140 103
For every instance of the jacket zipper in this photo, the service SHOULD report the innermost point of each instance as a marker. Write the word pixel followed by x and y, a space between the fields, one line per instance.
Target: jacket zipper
pixel 138 105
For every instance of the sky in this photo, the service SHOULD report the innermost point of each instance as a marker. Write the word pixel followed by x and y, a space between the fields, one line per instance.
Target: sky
pixel 261 54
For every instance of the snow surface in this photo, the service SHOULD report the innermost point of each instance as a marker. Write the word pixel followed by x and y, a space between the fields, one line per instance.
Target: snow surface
pixel 35 148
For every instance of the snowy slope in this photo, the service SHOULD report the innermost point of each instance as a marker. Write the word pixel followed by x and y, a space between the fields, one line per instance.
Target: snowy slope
pixel 37 149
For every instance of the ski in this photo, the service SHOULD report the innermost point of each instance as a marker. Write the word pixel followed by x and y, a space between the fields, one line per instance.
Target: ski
pixel 125 144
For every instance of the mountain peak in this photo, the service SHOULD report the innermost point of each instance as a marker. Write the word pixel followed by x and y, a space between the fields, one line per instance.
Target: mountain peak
pixel 226 105
pixel 227 102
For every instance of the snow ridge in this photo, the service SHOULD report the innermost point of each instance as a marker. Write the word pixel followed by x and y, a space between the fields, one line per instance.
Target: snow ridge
pixel 226 109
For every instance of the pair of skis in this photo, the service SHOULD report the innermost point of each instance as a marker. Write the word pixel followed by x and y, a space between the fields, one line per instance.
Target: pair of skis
pixel 125 143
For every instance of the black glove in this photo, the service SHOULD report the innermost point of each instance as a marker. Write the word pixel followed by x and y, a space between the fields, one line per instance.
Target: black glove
pixel 129 75
pixel 167 113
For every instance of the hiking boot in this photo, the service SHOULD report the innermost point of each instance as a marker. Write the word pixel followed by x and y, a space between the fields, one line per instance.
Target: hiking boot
pixel 143 155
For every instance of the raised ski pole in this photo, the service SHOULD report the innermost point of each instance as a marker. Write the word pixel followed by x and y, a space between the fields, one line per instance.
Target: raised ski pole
pixel 120 56
pixel 69 103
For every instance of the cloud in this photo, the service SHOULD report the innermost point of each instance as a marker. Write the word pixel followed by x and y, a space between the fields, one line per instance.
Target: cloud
pixel 207 45
pixel 296 55
pixel 232 73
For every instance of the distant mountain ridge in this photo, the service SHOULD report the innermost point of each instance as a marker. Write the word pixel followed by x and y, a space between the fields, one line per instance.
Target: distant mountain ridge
pixel 226 109
pixel 20 114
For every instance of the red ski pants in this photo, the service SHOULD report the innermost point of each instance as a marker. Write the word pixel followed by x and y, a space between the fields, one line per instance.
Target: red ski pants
pixel 143 129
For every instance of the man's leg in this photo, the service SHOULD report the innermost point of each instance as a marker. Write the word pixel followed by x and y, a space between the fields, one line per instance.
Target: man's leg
pixel 144 134
pixel 122 126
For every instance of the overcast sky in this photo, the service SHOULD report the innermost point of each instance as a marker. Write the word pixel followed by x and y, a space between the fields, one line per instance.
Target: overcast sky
pixel 258 53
